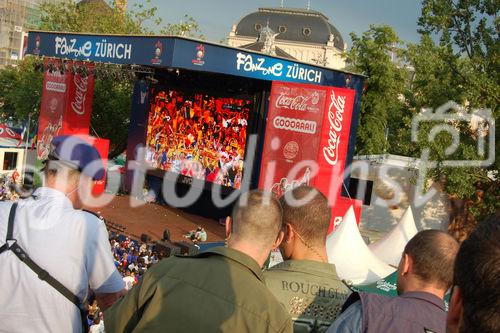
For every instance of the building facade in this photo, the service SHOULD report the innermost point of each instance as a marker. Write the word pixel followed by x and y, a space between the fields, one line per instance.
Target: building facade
pixel 16 17
pixel 302 34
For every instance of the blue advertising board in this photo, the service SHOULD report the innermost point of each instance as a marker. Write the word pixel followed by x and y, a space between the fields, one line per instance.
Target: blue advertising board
pixel 177 52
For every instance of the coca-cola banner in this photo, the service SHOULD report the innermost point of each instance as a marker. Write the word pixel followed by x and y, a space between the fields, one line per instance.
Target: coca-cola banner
pixel 334 135
pixel 102 146
pixel 340 208
pixel 66 102
pixel 56 83
pixel 292 135
pixel 81 93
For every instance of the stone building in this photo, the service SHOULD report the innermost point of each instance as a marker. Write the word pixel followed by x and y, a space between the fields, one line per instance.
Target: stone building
pixel 302 34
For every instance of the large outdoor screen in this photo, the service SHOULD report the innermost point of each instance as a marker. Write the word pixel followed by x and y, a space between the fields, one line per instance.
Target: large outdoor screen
pixel 198 135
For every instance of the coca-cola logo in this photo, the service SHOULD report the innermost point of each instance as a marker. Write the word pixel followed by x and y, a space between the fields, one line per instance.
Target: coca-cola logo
pixel 291 150
pixel 298 103
pixel 335 118
pixel 81 86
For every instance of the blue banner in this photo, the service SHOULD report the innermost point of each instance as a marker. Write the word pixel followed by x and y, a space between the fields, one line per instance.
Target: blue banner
pixel 220 59
pixel 177 52
pixel 102 48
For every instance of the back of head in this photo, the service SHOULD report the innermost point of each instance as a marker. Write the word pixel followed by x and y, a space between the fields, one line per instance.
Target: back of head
pixel 307 210
pixel 257 218
pixel 433 253
pixel 477 274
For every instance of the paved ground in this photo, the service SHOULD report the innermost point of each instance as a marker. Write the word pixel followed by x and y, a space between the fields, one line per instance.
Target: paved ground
pixel 152 219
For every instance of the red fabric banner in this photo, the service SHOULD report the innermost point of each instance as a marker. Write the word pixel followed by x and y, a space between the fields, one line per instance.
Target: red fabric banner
pixel 334 142
pixel 53 105
pixel 292 135
pixel 8 133
pixel 66 103
pixel 102 146
pixel 308 123
pixel 341 206
pixel 80 97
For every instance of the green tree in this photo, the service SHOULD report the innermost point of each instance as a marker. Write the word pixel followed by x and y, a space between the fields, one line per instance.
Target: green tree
pixel 188 27
pixel 462 66
pixel 373 54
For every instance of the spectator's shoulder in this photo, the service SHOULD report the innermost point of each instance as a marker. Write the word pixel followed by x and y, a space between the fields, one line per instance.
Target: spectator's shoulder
pixel 89 215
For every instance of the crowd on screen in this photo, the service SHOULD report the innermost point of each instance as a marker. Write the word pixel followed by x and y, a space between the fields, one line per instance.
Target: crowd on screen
pixel 198 136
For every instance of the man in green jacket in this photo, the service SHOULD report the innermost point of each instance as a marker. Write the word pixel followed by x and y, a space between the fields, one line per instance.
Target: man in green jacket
pixel 221 290
pixel 305 283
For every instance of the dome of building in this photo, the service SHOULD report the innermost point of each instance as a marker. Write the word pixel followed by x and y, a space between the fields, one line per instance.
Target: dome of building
pixel 292 24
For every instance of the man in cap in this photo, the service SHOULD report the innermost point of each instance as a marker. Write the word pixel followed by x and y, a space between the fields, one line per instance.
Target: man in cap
pixel 425 273
pixel 305 283
pixel 52 252
pixel 221 290
pixel 475 299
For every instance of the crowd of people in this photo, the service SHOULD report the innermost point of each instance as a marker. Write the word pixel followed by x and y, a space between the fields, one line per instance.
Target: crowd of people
pixel 198 136
pixel 61 271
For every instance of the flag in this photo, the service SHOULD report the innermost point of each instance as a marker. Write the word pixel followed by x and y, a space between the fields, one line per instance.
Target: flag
pixel 23 133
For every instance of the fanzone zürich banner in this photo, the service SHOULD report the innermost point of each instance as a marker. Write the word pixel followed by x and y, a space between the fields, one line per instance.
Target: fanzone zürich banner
pixel 66 102
pixel 307 137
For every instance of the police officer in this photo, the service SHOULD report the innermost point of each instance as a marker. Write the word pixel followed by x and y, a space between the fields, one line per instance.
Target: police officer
pixel 221 290
pixel 425 273
pixel 305 283
pixel 53 251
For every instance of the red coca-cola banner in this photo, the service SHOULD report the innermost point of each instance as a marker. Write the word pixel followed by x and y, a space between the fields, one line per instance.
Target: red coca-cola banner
pixel 340 208
pixel 102 146
pixel 334 142
pixel 307 137
pixel 81 95
pixel 53 104
pixel 66 102
pixel 292 135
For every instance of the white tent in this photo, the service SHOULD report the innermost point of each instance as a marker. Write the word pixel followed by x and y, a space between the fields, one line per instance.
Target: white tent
pixel 391 246
pixel 353 260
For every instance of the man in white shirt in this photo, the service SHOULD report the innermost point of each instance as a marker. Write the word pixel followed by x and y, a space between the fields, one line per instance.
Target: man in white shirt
pixel 68 243
pixel 128 280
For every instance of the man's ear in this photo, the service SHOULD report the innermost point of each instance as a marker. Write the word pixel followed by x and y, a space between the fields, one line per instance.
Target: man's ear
pixel 279 239
pixel 229 227
pixel 289 233
pixel 407 264
pixel 455 311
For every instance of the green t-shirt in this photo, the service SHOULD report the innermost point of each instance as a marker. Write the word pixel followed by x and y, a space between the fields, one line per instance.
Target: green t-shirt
pixel 311 291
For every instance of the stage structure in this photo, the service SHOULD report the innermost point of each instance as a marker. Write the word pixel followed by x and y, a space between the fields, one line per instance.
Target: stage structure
pixel 201 104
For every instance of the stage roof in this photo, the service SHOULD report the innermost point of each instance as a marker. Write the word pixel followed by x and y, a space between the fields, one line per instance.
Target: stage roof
pixel 184 53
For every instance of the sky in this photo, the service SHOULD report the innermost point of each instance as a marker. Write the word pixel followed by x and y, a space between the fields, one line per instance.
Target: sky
pixel 216 17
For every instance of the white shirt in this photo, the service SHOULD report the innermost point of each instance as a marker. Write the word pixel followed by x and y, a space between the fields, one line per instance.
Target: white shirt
pixel 99 328
pixel 129 282
pixel 71 245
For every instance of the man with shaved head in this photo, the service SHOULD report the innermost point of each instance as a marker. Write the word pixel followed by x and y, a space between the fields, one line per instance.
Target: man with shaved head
pixel 425 273
pixel 305 283
pixel 221 290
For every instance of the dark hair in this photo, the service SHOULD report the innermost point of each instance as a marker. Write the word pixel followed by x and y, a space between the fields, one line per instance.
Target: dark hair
pixel 477 274
pixel 433 253
pixel 310 219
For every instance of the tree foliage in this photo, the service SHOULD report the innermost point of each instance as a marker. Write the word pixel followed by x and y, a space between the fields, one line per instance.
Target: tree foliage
pixel 372 54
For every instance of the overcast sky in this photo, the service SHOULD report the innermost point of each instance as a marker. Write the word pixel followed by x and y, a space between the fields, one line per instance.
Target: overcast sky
pixel 216 17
